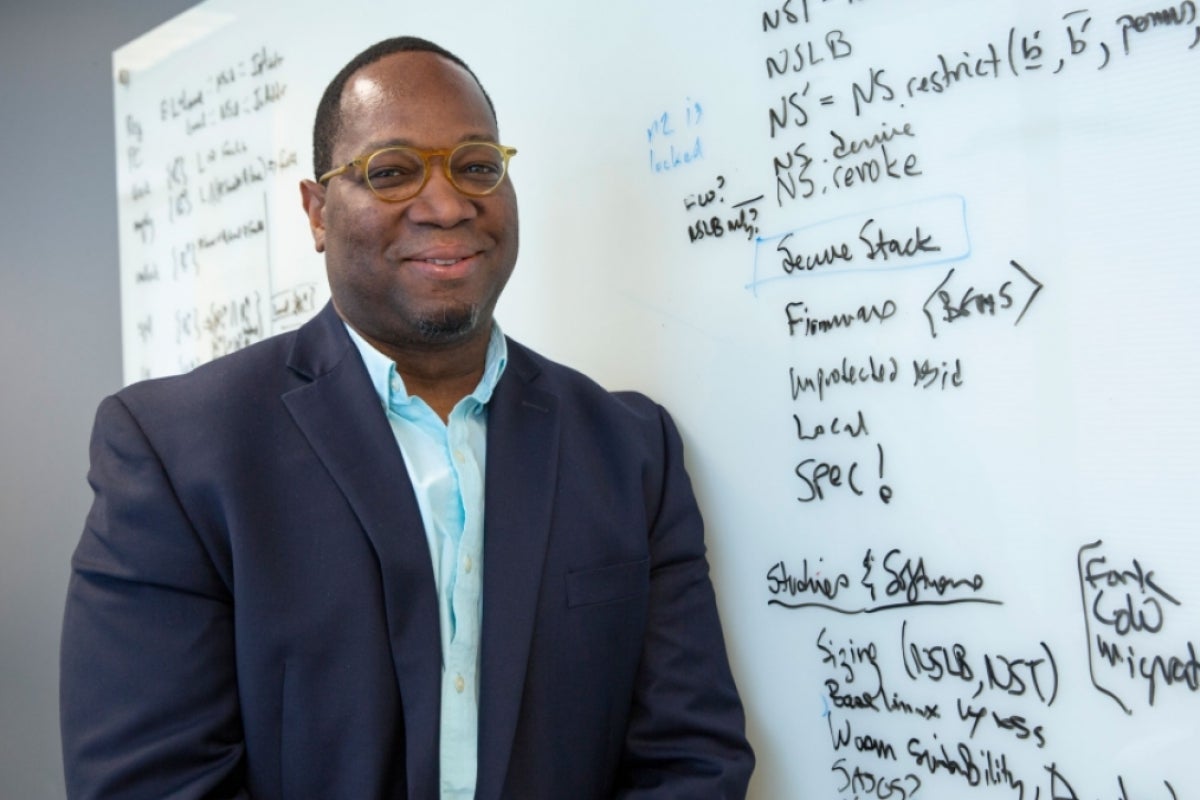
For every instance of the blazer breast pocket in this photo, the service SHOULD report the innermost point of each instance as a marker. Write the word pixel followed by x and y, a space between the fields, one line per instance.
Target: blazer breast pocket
pixel 609 583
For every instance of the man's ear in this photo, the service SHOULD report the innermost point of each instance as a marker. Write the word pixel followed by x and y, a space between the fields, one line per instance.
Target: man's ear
pixel 312 195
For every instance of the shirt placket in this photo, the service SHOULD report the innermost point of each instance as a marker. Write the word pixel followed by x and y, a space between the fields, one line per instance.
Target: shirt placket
pixel 462 560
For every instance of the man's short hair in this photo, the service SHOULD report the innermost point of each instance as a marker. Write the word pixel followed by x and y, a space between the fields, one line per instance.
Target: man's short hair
pixel 328 124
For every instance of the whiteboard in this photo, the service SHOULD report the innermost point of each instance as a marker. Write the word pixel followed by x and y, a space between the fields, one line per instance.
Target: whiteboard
pixel 917 281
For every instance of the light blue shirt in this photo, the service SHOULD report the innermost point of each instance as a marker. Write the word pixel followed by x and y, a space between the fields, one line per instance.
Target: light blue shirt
pixel 445 463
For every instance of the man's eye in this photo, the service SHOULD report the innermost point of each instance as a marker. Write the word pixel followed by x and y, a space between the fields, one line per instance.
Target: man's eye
pixel 390 171
pixel 480 169
pixel 386 176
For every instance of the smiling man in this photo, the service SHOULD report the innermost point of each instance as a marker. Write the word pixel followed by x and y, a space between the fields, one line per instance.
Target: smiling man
pixel 395 554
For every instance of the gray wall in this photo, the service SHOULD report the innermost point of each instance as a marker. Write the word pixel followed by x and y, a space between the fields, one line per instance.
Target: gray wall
pixel 59 324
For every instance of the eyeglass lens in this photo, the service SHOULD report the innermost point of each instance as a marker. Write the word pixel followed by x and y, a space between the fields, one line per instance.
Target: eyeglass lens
pixel 399 172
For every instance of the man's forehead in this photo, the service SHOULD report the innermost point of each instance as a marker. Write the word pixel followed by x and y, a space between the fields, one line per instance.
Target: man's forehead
pixel 407 75
pixel 414 98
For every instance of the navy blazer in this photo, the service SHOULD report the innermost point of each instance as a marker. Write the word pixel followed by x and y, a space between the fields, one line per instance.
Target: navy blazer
pixel 252 611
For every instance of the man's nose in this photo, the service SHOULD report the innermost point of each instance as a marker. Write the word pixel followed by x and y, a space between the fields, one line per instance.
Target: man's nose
pixel 441 203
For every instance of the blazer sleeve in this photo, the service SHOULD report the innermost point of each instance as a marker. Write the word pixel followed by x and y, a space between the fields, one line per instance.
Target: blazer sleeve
pixel 148 695
pixel 686 735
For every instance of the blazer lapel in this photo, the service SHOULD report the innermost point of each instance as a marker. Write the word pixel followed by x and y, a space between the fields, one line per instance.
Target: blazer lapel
pixel 522 465
pixel 339 412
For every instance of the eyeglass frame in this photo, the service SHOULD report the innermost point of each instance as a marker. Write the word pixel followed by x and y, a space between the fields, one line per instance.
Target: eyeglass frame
pixel 424 154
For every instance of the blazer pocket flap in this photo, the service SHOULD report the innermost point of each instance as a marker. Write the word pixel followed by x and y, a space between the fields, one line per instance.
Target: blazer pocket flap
pixel 605 584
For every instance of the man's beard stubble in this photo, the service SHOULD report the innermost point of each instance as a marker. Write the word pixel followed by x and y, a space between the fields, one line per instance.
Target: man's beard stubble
pixel 453 324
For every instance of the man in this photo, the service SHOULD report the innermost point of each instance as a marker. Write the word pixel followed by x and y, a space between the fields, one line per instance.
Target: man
pixel 393 554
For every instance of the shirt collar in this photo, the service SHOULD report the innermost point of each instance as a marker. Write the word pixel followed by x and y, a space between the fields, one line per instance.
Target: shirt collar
pixel 389 386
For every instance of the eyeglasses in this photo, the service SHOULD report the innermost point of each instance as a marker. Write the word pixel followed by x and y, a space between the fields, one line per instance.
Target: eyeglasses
pixel 398 173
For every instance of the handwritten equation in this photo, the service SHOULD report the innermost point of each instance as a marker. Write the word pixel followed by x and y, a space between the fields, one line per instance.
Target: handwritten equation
pixel 196 170
pixel 890 300
pixel 1126 611
pixel 913 711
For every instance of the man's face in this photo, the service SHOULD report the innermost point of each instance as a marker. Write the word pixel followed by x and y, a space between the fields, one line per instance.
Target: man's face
pixel 425 271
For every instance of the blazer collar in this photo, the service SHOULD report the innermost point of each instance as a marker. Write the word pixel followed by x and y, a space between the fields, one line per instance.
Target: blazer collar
pixel 522 465
pixel 340 414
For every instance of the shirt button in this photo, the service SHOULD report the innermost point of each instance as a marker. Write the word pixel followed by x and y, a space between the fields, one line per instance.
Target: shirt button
pixel 467 564
pixel 459 457
pixel 459 684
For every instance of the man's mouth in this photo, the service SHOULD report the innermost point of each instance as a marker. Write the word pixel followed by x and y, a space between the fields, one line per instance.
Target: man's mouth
pixel 444 266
